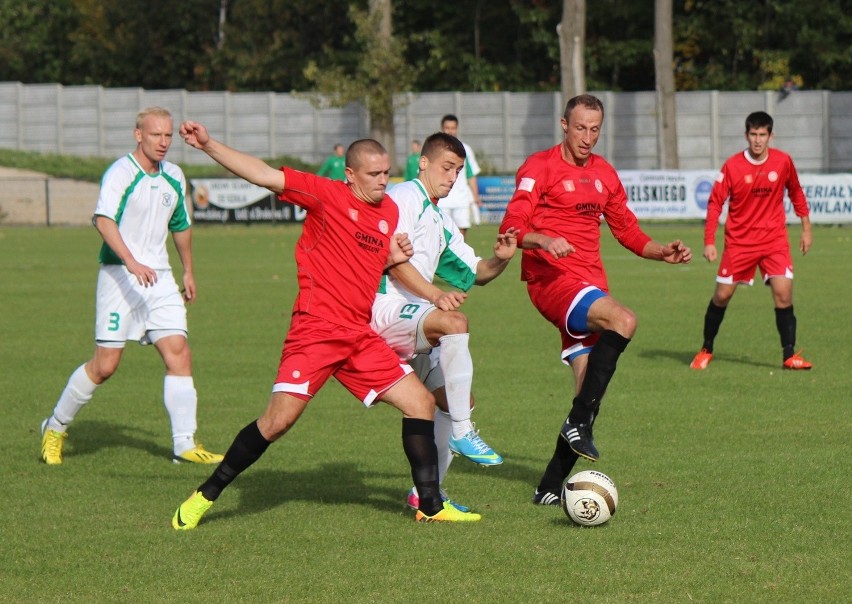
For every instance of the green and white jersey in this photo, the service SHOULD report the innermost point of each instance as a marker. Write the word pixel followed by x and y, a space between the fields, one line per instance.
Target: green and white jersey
pixel 439 248
pixel 146 208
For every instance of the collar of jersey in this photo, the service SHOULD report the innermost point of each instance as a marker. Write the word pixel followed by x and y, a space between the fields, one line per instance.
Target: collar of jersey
pixel 136 163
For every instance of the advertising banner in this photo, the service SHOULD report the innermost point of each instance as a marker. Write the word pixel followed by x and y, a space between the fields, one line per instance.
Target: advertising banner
pixel 672 194
pixel 651 194
pixel 829 198
pixel 236 200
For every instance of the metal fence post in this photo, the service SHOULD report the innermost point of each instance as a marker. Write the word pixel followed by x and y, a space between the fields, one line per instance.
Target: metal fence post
pixel 47 200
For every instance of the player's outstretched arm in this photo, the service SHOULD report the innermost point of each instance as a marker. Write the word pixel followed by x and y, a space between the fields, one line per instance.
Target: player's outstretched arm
pixel 673 253
pixel 676 252
pixel 246 166
pixel 558 247
pixel 504 249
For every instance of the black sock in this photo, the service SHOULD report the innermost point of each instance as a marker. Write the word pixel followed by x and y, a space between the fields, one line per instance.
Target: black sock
pixel 712 321
pixel 560 466
pixel 599 371
pixel 785 321
pixel 418 442
pixel 246 449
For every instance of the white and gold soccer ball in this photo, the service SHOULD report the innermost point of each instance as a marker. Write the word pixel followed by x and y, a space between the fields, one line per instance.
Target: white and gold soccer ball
pixel 589 498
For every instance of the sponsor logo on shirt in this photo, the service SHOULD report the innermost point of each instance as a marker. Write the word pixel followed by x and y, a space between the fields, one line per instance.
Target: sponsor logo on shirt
pixel 353 214
pixel 569 185
pixel 526 184
pixel 369 242
pixel 589 209
pixel 748 178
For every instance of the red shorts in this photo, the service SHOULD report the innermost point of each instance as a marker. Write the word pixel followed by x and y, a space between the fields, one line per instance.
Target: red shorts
pixel 555 300
pixel 738 264
pixel 316 349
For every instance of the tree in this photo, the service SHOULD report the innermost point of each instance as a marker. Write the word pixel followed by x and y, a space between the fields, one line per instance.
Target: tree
pixel 34 41
pixel 378 75
pixel 572 45
pixel 664 71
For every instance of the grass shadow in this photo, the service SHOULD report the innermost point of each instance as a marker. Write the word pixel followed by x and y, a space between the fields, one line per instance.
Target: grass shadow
pixel 685 358
pixel 89 437
pixel 345 484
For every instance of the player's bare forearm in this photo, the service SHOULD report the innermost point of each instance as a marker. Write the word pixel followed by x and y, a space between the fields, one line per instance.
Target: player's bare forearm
pixel 108 230
pixel 504 250
pixel 807 238
pixel 558 247
pixel 246 166
pixel 410 278
pixel 490 269
pixel 474 189
pixel 183 245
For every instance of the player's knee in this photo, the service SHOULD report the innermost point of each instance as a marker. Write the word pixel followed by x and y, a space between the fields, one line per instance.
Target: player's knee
pixel 626 322
pixel 180 363
pixel 421 406
pixel 454 322
pixel 100 370
pixel 281 415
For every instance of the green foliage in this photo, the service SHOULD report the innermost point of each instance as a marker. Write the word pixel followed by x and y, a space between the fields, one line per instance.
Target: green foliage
pixel 466 45
pixel 379 73
pixel 517 49
pixel 269 42
pixel 775 66
pixel 732 481
pixel 155 44
pixel 34 40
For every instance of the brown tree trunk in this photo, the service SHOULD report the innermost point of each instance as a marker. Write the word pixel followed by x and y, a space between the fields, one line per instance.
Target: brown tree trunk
pixel 572 42
pixel 664 68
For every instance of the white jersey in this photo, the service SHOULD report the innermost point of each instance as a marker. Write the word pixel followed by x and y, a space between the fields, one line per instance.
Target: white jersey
pixel 461 195
pixel 439 247
pixel 146 208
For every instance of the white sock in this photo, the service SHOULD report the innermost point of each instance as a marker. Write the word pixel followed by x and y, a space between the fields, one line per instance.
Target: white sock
pixel 443 429
pixel 78 391
pixel 457 367
pixel 181 401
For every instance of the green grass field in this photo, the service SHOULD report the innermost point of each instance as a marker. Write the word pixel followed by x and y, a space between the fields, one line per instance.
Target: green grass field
pixel 734 483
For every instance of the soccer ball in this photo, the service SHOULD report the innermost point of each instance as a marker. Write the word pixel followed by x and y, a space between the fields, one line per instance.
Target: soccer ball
pixel 589 498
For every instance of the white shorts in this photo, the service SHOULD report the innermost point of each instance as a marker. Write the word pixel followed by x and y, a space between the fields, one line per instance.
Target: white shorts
pixel 400 322
pixel 461 216
pixel 127 311
pixel 427 369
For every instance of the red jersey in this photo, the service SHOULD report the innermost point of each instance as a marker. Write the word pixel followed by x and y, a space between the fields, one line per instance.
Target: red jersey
pixel 755 195
pixel 343 248
pixel 558 199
